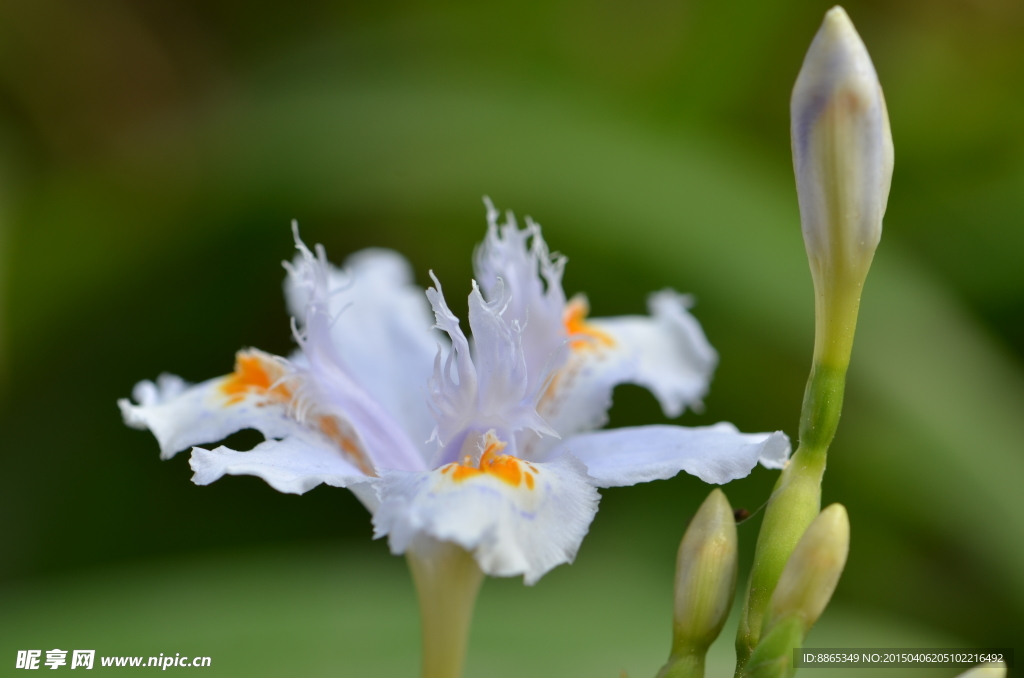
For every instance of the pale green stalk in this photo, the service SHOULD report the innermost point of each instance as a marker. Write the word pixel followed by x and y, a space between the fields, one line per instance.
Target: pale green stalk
pixel 447 581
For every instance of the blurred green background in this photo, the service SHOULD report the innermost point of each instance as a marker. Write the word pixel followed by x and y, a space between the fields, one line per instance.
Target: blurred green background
pixel 152 153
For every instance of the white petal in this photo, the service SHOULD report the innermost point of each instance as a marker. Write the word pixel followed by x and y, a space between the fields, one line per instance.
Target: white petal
pixel 264 393
pixel 167 386
pixel 316 396
pixel 181 416
pixel 518 262
pixel 511 528
pixel 294 465
pixel 329 395
pixel 666 352
pixel 381 330
pixel 715 454
pixel 776 451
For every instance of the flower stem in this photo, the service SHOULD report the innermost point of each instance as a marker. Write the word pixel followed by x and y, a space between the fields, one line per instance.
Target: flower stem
pixel 447 581
pixel 795 502
pixel 796 498
pixel 688 665
pixel 773 657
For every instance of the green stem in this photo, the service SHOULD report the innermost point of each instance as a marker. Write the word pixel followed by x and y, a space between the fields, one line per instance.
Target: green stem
pixel 795 502
pixel 687 665
pixel 773 657
pixel 796 498
pixel 823 403
pixel 447 581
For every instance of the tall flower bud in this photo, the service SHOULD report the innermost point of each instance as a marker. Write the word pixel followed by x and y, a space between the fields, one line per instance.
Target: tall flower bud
pixel 705 586
pixel 812 572
pixel 843 158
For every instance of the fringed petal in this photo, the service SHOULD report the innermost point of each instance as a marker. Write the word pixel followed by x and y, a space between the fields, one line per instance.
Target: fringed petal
pixel 256 395
pixel 515 517
pixel 666 352
pixel 515 265
pixel 380 328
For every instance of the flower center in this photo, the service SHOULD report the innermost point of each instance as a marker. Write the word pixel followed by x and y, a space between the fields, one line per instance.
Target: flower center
pixel 504 467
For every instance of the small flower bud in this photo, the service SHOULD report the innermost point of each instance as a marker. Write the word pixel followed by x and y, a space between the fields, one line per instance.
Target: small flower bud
pixel 842 151
pixel 812 572
pixel 705 584
pixel 994 670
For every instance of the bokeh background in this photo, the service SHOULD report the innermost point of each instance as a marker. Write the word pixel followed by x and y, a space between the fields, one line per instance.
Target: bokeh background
pixel 152 153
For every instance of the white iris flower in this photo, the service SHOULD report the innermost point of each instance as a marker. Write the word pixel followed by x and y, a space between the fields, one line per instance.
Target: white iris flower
pixel 490 443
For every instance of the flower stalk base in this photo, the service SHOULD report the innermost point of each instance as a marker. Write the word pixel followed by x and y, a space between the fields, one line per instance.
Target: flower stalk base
pixel 447 581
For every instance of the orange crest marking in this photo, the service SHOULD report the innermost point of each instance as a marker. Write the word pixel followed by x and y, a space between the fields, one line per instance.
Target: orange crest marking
pixel 504 467
pixel 259 374
pixel 255 373
pixel 576 325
